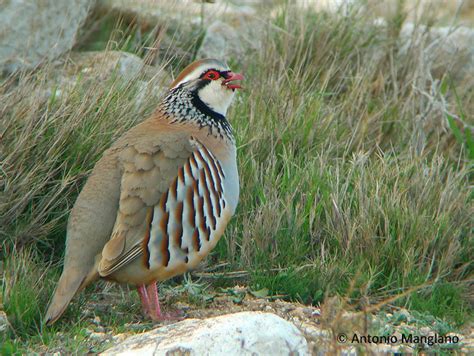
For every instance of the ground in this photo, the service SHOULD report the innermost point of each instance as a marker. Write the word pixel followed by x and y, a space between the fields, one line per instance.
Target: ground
pixel 327 328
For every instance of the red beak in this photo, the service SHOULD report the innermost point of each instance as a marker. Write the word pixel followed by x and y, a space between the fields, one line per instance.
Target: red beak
pixel 230 77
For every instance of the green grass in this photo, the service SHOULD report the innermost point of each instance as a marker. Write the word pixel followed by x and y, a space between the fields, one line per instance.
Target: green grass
pixel 353 182
pixel 445 300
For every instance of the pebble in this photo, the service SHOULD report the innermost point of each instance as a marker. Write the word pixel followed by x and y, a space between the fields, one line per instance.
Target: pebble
pixel 98 336
pixel 316 312
pixel 425 330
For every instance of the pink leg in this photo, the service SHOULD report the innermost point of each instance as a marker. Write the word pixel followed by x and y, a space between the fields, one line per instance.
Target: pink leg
pixel 144 298
pixel 155 310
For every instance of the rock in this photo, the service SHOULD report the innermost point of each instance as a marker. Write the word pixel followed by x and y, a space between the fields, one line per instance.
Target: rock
pixel 98 336
pixel 447 49
pixel 448 10
pixel 230 30
pixel 93 67
pixel 120 337
pixel 467 342
pixel 149 13
pixel 332 6
pixel 232 38
pixel 101 65
pixel 424 330
pixel 442 50
pixel 175 25
pixel 32 32
pixel 245 333
pixel 221 41
pixel 96 320
pixel 4 323
pixel 233 35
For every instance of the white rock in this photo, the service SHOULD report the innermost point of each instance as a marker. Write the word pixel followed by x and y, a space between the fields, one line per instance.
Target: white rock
pixel 448 49
pixel 34 31
pixel 149 13
pixel 233 35
pixel 221 41
pixel 98 336
pixel 327 5
pixel 230 29
pixel 246 333
pixel 94 67
pixel 154 12
pixel 104 63
pixel 459 10
pixel 443 48
pixel 120 337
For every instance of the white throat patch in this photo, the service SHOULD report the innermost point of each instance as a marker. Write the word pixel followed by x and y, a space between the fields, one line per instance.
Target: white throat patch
pixel 217 96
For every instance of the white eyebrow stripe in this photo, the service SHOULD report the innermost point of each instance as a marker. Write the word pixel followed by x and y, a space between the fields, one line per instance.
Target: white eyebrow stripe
pixel 198 71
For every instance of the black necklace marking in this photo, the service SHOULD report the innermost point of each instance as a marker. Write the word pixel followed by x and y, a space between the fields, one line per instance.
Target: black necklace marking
pixel 206 110
pixel 186 106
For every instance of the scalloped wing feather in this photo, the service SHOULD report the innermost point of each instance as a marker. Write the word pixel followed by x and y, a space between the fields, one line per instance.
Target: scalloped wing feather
pixel 148 170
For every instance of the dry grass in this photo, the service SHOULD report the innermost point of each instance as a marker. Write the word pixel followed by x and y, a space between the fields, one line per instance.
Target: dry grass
pixel 349 169
pixel 51 139
pixel 355 163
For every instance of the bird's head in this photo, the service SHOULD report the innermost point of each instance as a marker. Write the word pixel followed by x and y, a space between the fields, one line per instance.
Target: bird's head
pixel 211 81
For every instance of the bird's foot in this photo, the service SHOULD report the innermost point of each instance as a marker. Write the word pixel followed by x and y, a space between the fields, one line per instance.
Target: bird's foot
pixel 174 315
pixel 151 305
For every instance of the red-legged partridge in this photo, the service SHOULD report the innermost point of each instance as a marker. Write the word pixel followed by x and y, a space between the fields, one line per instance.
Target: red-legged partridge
pixel 159 199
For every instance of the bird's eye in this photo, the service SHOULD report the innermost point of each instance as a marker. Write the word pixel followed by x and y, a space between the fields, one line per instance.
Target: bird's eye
pixel 212 75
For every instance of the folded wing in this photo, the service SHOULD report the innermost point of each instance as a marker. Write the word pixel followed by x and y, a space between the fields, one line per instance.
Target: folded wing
pixel 172 210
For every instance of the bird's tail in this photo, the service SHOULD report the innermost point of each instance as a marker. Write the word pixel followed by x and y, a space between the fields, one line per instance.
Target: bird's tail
pixel 70 283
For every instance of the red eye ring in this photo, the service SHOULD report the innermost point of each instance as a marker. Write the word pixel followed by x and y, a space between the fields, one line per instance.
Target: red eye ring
pixel 212 75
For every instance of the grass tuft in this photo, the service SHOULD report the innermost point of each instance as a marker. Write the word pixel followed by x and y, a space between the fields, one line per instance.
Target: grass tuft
pixel 25 291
